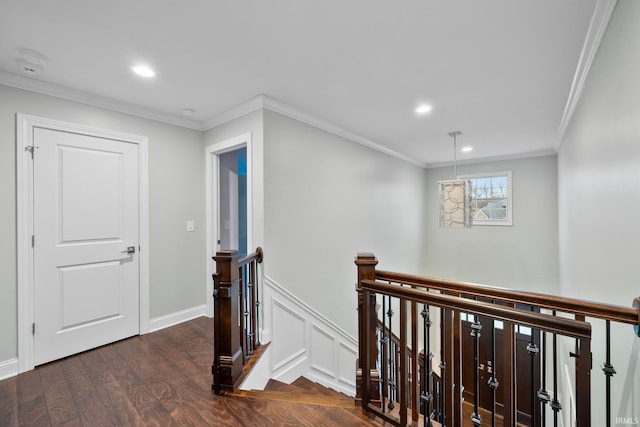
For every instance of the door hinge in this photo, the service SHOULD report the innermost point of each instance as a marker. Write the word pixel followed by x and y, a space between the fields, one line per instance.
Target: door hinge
pixel 33 328
pixel 30 149
pixel 33 241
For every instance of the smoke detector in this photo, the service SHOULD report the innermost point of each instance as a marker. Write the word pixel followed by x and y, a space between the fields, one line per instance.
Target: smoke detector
pixel 28 68
pixel 33 57
pixel 31 62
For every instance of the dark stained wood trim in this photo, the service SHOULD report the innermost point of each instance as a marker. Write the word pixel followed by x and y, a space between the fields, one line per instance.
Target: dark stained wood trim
pixel 567 327
pixel 611 312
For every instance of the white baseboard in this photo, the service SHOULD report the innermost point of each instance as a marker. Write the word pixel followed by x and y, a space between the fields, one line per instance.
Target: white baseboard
pixel 171 319
pixel 8 369
pixel 306 343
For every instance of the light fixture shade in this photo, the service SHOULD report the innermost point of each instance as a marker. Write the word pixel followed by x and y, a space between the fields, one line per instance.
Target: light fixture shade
pixel 455 203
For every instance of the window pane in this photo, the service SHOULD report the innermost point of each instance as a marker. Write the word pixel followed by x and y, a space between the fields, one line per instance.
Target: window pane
pixel 525 330
pixel 490 198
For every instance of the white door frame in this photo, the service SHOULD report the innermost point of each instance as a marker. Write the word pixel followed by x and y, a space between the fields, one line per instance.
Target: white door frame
pixel 212 160
pixel 24 192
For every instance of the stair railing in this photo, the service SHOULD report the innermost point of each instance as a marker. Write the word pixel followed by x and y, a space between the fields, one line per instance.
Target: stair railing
pixel 377 289
pixel 236 321
pixel 420 378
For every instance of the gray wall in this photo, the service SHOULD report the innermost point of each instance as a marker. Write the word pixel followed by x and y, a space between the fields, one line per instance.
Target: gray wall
pixel 176 189
pixel 599 193
pixel 521 256
pixel 327 198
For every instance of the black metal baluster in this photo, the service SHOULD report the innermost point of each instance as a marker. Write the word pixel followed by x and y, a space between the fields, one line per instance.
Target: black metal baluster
pixel 247 320
pixel 543 394
pixel 426 396
pixel 443 367
pixel 247 312
pixel 476 327
pixel 383 353
pixel 533 350
pixel 392 361
pixel 257 282
pixel 493 382
pixel 242 309
pixel 609 371
pixel 555 405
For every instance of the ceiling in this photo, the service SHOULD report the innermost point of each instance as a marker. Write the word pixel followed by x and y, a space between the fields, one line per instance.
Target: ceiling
pixel 499 71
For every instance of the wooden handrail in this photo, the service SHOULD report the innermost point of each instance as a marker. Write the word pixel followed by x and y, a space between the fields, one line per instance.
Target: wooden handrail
pixel 568 327
pixel 614 313
pixel 257 255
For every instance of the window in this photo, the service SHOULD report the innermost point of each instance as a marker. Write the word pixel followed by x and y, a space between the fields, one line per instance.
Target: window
pixel 490 198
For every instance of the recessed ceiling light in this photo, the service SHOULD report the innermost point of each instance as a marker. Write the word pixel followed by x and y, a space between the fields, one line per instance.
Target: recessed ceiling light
pixel 424 109
pixel 187 112
pixel 144 71
pixel 467 149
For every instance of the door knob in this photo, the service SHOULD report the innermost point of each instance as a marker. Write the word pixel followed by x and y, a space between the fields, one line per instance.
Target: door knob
pixel 130 250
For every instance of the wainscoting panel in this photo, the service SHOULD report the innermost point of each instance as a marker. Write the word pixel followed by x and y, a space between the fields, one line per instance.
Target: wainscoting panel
pixel 323 361
pixel 289 337
pixel 347 356
pixel 305 343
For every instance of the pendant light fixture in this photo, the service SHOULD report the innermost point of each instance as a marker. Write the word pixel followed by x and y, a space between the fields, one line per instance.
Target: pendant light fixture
pixel 455 196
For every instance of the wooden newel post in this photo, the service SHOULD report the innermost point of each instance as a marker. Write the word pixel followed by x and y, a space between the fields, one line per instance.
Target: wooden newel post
pixel 366 263
pixel 227 359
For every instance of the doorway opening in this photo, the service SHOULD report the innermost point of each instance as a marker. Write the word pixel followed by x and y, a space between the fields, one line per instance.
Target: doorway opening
pixel 229 195
pixel 232 198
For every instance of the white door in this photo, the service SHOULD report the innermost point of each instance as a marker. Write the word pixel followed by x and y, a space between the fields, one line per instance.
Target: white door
pixel 86 284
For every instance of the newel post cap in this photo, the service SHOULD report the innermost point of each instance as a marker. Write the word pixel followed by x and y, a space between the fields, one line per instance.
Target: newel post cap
pixel 366 258
pixel 226 255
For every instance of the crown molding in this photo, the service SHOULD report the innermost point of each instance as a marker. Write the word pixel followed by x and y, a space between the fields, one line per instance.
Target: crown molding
pixel 301 116
pixel 597 28
pixel 263 101
pixel 517 156
pixel 247 107
pixel 46 88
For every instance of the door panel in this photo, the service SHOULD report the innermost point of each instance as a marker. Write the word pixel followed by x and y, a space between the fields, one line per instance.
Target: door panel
pixel 487 365
pixel 86 285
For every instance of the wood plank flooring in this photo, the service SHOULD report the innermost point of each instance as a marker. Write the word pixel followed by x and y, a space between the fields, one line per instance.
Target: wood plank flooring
pixel 158 379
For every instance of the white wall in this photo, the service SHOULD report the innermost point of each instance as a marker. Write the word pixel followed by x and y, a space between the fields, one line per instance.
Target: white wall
pixel 522 256
pixel 327 198
pixel 599 200
pixel 176 189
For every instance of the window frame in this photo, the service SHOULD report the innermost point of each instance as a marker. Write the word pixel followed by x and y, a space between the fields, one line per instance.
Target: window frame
pixel 508 221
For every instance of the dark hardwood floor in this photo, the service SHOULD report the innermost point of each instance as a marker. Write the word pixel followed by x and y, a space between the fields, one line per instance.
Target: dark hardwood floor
pixel 158 379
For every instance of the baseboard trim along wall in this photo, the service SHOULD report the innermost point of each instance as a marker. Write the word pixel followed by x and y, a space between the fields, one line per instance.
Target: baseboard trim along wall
pixel 306 343
pixel 8 369
pixel 172 319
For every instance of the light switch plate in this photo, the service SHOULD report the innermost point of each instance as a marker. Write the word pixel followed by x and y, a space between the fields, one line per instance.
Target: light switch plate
pixel 190 226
